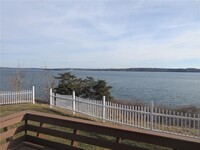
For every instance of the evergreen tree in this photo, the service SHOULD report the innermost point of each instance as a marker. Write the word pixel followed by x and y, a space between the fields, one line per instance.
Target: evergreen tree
pixel 87 88
pixel 67 83
pixel 88 91
pixel 101 89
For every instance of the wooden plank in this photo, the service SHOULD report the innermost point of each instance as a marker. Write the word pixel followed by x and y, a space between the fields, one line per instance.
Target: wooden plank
pixel 36 146
pixel 48 131
pixel 12 143
pixel 56 145
pixel 8 117
pixel 88 126
pixel 104 143
pixel 11 132
pixel 11 121
pixel 125 133
pixel 79 138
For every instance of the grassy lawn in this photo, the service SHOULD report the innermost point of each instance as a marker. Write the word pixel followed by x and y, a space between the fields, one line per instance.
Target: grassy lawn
pixel 11 109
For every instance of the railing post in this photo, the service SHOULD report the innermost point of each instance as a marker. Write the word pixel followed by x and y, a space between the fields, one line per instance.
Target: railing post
pixel 75 132
pixel 73 102
pixel 33 95
pixel 151 116
pixel 51 98
pixel 103 109
pixel 25 124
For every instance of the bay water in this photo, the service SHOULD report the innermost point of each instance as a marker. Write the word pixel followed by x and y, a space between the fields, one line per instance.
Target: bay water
pixel 166 88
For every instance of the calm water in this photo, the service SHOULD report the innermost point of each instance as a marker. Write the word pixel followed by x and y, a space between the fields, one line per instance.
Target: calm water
pixel 161 87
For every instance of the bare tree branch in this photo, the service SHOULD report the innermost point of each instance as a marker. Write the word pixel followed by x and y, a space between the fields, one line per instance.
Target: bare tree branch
pixel 49 83
pixel 17 80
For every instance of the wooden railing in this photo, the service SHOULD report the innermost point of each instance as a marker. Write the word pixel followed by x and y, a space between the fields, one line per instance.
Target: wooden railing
pixel 12 129
pixel 61 132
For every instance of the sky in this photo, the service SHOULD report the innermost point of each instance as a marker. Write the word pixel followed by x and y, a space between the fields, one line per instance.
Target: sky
pixel 100 33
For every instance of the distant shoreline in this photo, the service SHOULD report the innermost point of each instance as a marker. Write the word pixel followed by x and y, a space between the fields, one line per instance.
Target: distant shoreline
pixel 191 70
pixel 146 70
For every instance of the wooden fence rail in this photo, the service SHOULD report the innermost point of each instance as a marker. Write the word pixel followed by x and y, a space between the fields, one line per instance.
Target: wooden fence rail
pixel 38 128
pixel 147 117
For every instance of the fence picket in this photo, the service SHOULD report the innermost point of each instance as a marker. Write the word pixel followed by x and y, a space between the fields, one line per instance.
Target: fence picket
pixel 190 122
pixel 136 123
pixel 194 122
pixel 125 112
pixel 144 117
pixel 162 124
pixel 133 115
pixel 15 97
pixel 198 128
pixel 145 111
pixel 166 121
pixel 122 114
pixel 110 111
pixel 130 116
pixel 178 121
pixel 185 133
pixel 139 116
pixel 148 118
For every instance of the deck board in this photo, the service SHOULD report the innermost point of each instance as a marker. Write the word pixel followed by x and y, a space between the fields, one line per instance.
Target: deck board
pixel 32 146
pixel 24 147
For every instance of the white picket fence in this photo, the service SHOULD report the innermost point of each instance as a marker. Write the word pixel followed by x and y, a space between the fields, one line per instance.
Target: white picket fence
pixel 15 97
pixel 149 118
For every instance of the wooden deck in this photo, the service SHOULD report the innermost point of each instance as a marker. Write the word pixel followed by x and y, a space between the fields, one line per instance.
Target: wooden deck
pixel 25 147
pixel 31 146
pixel 47 124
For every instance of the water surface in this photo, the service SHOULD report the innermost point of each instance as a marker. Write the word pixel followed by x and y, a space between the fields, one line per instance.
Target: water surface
pixel 167 88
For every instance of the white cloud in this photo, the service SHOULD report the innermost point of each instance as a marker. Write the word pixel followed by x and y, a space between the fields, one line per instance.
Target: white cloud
pixel 102 34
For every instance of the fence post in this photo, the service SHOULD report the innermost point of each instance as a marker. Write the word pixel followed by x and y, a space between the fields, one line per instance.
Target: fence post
pixel 54 99
pixel 51 98
pixel 73 102
pixel 198 131
pixel 33 95
pixel 151 116
pixel 103 109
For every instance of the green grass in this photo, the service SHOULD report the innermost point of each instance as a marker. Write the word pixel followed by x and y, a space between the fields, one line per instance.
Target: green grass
pixel 11 109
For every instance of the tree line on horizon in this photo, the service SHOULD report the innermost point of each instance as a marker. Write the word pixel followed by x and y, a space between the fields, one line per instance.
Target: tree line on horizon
pixel 122 69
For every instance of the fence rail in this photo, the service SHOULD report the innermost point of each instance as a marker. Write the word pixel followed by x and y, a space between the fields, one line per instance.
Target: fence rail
pixel 147 117
pixel 15 97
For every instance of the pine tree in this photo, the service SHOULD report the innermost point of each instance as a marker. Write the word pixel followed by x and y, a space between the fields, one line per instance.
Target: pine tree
pixel 85 88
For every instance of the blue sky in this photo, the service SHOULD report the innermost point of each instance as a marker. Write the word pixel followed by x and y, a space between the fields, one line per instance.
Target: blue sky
pixel 100 33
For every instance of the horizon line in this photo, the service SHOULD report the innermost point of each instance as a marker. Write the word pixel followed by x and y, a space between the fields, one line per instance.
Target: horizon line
pixel 101 68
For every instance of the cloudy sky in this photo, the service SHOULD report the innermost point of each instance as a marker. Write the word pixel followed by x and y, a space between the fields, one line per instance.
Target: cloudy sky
pixel 100 33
